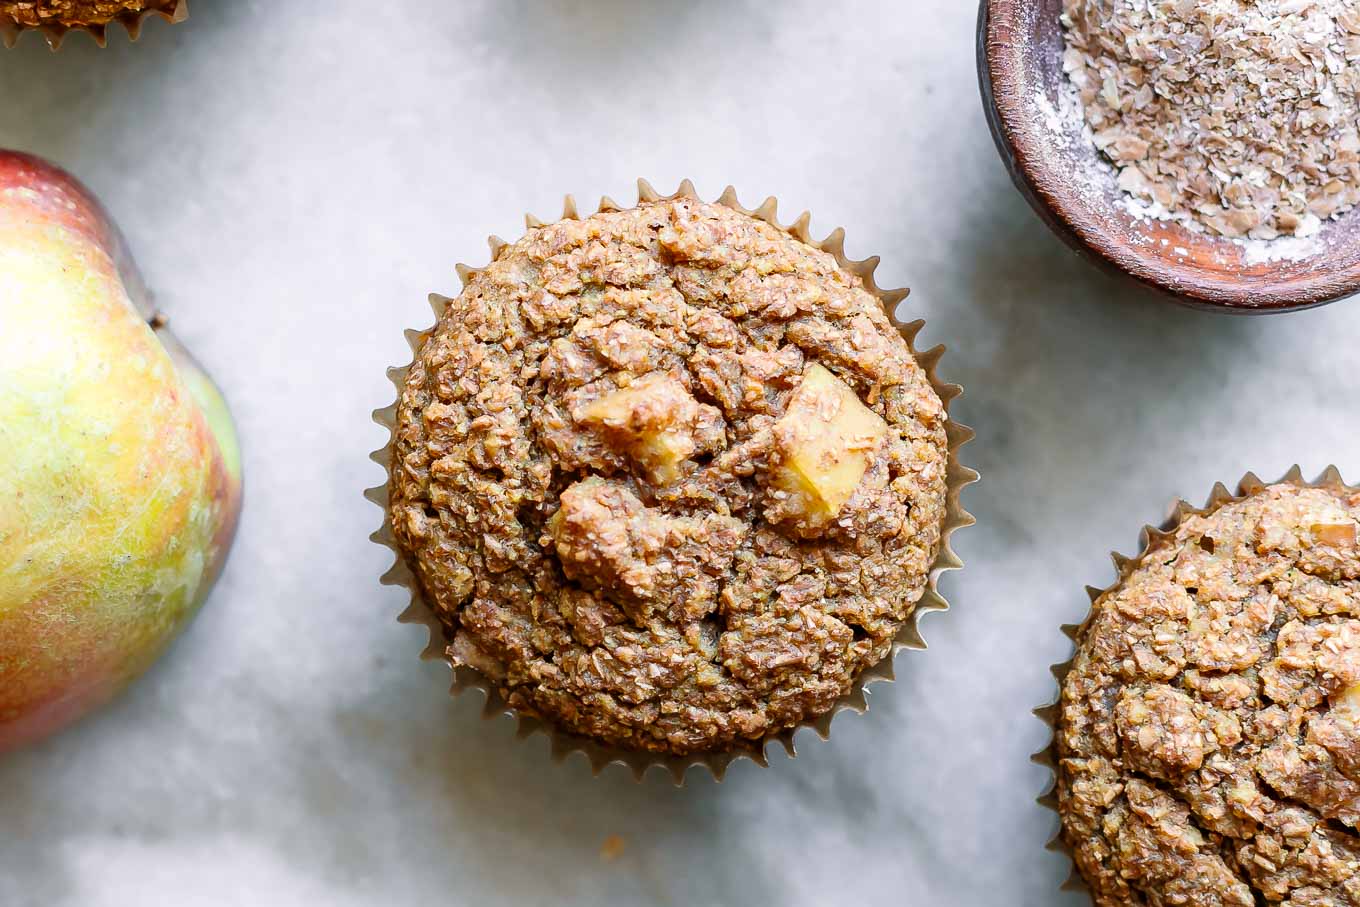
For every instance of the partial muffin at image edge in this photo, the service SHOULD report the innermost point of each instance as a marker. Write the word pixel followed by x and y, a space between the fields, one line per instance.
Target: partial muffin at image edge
pixel 1207 736
pixel 671 479
pixel 57 17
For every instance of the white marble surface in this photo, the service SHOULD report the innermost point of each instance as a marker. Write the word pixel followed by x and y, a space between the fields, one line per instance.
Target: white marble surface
pixel 295 186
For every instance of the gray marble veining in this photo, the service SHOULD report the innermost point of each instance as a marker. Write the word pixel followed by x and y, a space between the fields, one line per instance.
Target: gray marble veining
pixel 294 186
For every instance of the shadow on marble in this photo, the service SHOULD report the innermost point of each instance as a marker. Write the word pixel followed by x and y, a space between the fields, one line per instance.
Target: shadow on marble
pixel 580 41
pixel 86 81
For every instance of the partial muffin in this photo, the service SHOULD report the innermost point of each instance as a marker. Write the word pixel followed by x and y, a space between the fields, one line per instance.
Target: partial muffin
pixel 670 478
pixel 57 17
pixel 33 13
pixel 1208 742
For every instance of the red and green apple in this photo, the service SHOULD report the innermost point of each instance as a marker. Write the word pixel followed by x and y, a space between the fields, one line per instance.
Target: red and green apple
pixel 120 474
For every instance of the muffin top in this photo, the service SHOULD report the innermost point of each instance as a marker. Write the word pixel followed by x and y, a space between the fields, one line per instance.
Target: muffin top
pixel 78 12
pixel 669 477
pixel 1209 739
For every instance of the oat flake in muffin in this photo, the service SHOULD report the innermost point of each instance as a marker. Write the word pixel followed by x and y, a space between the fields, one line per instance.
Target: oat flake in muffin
pixel 1209 736
pixel 669 477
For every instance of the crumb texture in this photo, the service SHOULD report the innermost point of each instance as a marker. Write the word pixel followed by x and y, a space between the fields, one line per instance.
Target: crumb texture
pixel 33 13
pixel 590 477
pixel 1209 737
pixel 1239 116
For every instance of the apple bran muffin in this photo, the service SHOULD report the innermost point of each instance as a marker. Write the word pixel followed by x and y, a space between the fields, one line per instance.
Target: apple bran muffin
pixel 669 477
pixel 1209 736
pixel 76 13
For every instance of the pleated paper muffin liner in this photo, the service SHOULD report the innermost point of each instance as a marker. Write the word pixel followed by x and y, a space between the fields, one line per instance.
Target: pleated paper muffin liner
pixel 1148 538
pixel 638 762
pixel 131 21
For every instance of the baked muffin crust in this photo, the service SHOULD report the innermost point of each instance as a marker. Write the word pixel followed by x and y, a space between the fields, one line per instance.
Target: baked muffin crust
pixel 33 13
pixel 1209 737
pixel 629 503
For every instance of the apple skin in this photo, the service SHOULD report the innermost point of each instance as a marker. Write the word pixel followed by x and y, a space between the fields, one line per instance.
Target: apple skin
pixel 120 472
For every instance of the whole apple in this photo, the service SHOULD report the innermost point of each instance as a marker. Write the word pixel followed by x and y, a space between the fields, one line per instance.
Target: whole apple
pixel 120 474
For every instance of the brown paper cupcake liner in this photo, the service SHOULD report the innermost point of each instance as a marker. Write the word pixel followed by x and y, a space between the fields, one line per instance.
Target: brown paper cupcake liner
pixel 909 637
pixel 130 21
pixel 1123 566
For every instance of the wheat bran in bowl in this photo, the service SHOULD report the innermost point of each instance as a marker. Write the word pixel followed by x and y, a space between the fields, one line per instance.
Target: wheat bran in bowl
pixel 1209 196
pixel 1232 117
pixel 1207 742
pixel 670 478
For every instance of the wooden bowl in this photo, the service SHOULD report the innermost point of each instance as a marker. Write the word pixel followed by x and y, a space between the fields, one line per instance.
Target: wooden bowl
pixel 1020 48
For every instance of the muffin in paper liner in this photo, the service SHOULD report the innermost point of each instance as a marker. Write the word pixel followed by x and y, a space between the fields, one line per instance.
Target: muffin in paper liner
pixel 1148 538
pixel 131 20
pixel 598 754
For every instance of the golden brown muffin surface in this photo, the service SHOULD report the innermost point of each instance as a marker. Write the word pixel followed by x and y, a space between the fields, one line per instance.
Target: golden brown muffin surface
pixel 33 13
pixel 1209 738
pixel 669 477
